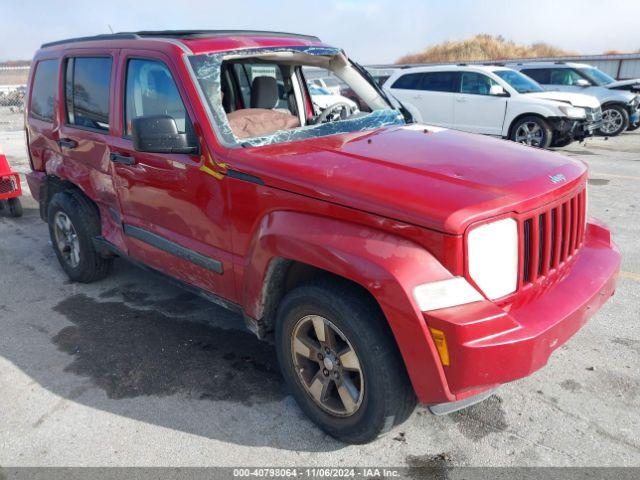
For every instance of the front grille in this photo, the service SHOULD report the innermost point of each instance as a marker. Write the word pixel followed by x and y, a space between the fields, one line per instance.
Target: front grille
pixel 594 114
pixel 550 237
pixel 7 185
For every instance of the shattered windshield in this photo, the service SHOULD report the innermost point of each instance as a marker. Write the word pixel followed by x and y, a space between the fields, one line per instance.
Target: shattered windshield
pixel 257 96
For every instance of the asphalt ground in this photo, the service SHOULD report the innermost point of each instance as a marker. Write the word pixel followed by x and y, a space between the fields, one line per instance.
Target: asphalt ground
pixel 132 371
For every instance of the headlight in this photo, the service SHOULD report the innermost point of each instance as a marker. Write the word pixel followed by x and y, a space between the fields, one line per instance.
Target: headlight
pixel 445 293
pixel 574 112
pixel 493 257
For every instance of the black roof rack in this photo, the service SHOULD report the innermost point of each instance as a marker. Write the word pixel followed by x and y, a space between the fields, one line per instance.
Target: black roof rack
pixel 106 36
pixel 178 34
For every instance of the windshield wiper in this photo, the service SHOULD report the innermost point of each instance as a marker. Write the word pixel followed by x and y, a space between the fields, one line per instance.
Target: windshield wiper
pixel 369 78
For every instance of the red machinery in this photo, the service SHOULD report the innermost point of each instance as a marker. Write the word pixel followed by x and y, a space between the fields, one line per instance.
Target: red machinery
pixel 10 189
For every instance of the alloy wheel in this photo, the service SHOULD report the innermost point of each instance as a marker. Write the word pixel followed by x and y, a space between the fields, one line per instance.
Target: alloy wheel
pixel 612 121
pixel 66 239
pixel 530 133
pixel 327 366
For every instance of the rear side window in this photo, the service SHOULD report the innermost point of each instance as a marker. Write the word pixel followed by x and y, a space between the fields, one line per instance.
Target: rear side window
pixel 440 81
pixel 540 75
pixel 151 91
pixel 410 81
pixel 43 95
pixel 87 87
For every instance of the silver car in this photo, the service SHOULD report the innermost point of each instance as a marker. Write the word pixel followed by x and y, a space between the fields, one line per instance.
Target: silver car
pixel 620 108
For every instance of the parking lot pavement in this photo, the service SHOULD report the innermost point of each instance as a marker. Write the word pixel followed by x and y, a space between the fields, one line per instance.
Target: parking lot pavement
pixel 132 371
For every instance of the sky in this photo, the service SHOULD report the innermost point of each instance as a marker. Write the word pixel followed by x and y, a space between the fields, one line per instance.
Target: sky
pixel 371 31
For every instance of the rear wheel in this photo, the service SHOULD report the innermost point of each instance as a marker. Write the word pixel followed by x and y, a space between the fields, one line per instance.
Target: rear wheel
pixel 15 207
pixel 533 131
pixel 615 120
pixel 73 223
pixel 341 363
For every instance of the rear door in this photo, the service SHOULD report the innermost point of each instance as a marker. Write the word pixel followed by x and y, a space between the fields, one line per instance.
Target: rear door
pixel 174 214
pixel 475 109
pixel 431 93
pixel 87 123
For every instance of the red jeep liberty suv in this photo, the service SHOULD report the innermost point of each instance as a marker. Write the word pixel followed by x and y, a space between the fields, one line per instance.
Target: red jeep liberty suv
pixel 392 262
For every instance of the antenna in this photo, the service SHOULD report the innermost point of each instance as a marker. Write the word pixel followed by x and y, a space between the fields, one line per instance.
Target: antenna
pixel 111 29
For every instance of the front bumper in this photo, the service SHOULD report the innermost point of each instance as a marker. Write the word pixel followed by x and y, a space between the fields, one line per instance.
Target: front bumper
pixel 490 344
pixel 578 130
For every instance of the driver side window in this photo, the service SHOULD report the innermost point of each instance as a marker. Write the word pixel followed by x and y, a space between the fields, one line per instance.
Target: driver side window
pixel 150 91
pixel 475 83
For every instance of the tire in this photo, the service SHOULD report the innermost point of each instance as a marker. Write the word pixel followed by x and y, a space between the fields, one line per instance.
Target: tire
pixel 83 217
pixel 383 394
pixel 616 120
pixel 15 207
pixel 540 133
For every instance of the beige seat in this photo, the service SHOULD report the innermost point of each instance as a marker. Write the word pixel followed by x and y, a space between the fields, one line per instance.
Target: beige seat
pixel 261 119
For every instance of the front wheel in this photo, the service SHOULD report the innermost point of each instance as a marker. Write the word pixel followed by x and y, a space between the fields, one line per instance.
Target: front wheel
pixel 615 120
pixel 532 131
pixel 340 362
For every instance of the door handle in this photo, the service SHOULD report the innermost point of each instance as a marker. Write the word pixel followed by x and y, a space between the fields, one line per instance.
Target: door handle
pixel 461 99
pixel 67 143
pixel 122 159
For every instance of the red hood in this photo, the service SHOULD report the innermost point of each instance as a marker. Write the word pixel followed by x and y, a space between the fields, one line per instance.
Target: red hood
pixel 442 180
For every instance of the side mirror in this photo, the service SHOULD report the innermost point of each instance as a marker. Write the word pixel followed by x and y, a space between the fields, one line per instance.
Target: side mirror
pixel 159 134
pixel 581 82
pixel 498 91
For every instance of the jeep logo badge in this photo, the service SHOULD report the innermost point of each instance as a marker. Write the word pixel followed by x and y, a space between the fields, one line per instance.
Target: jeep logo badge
pixel 557 178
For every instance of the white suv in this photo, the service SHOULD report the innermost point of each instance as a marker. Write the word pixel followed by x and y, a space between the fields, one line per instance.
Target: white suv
pixel 495 101
pixel 620 108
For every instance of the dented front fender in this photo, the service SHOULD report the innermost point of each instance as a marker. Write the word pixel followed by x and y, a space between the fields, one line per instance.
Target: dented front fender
pixel 387 266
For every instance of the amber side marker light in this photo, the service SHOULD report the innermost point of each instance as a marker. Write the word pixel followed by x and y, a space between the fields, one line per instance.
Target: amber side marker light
pixel 441 344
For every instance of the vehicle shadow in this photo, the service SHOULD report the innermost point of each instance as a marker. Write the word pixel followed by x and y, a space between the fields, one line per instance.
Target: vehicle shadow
pixel 137 346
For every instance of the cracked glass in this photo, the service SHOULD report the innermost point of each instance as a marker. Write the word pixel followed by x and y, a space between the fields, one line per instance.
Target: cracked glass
pixel 207 71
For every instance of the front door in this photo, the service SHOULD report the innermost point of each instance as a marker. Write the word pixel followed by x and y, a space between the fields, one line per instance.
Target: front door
pixel 475 109
pixel 174 215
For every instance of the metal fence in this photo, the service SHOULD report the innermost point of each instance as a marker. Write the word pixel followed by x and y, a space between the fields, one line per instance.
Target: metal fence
pixel 13 81
pixel 620 66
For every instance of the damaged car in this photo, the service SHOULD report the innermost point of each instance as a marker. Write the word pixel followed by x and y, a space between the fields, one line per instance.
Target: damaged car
pixel 389 262
pixel 495 100
pixel 620 102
